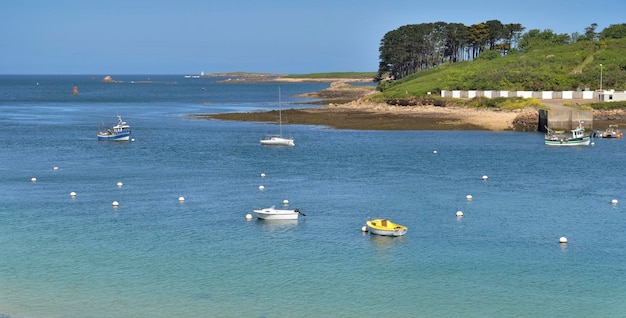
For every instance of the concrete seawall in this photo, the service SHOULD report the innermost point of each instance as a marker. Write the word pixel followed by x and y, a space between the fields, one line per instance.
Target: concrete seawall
pixel 565 119
pixel 585 95
pixel 557 117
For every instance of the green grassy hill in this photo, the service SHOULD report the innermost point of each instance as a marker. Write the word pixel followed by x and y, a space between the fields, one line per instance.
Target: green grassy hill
pixel 568 67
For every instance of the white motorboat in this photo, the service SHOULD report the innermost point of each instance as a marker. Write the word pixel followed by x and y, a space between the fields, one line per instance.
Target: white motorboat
pixel 272 213
pixel 612 132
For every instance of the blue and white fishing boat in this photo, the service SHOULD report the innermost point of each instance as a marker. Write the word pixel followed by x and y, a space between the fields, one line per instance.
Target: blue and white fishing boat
pixel 119 132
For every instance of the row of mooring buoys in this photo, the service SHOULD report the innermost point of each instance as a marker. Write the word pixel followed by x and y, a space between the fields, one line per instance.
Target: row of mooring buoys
pixel 119 184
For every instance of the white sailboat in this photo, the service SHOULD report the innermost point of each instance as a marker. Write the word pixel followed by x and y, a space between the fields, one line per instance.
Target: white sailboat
pixel 278 140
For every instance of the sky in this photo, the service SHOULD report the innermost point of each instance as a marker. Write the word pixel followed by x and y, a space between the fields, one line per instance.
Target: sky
pixel 263 36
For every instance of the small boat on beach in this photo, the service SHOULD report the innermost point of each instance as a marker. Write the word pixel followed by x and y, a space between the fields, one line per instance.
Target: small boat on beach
pixel 119 132
pixel 578 137
pixel 272 213
pixel 385 227
pixel 612 132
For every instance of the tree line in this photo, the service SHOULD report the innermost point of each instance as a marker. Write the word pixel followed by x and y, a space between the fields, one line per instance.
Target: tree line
pixel 416 47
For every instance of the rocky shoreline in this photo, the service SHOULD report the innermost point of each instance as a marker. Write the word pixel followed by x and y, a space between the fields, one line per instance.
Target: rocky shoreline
pixel 346 108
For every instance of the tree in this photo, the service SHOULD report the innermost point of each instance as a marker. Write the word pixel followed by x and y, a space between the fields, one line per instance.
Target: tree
pixel 478 38
pixel 512 33
pixel 456 39
pixel 535 38
pixel 614 31
pixel 590 33
pixel 495 33
pixel 415 47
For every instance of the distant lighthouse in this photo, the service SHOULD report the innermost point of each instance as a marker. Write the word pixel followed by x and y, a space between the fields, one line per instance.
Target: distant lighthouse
pixel 75 90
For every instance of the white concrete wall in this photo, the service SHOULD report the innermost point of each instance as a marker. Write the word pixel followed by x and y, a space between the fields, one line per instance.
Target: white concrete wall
pixel 588 95
pixel 524 94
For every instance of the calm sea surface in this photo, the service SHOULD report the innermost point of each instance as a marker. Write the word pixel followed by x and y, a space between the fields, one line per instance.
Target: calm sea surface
pixel 154 256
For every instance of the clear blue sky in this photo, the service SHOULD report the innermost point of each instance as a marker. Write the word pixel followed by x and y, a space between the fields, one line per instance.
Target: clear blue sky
pixel 273 36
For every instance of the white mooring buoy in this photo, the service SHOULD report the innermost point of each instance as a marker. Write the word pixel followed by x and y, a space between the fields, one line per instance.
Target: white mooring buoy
pixel 563 240
pixel 285 202
pixel 485 178
pixel 33 179
pixel 55 168
pixel 72 194
pixel 459 214
pixel 181 199
pixel 469 197
pixel 119 184
pixel 262 175
pixel 248 216
pixel 261 187
pixel 115 203
pixel 614 201
pixel 364 228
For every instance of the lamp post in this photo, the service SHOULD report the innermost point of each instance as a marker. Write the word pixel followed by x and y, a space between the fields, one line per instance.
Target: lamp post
pixel 600 77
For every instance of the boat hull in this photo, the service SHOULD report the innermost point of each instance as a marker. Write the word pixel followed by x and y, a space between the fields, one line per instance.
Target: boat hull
pixel 385 228
pixel 387 232
pixel 118 137
pixel 278 141
pixel 612 135
pixel 274 214
pixel 585 141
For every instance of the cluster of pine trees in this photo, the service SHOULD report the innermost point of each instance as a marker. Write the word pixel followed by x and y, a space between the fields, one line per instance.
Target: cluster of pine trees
pixel 415 47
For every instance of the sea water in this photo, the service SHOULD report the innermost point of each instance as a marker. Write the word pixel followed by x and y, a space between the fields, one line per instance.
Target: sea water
pixel 157 256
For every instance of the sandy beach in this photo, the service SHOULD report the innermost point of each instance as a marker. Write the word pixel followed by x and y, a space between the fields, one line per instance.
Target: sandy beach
pixel 444 116
pixel 347 107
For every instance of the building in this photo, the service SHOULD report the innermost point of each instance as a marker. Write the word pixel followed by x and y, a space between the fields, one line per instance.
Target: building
pixel 611 96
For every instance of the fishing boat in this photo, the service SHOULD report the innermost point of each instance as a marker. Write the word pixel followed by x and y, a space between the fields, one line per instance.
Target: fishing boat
pixel 272 213
pixel 578 137
pixel 612 132
pixel 119 132
pixel 385 227
pixel 278 140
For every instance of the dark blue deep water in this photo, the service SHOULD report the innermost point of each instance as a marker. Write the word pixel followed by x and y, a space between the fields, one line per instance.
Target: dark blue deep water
pixel 153 256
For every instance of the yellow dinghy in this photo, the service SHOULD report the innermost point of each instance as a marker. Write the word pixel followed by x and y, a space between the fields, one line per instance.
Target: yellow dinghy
pixel 385 227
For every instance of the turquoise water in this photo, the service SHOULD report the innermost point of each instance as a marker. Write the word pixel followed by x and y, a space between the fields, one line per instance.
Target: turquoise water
pixel 154 256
